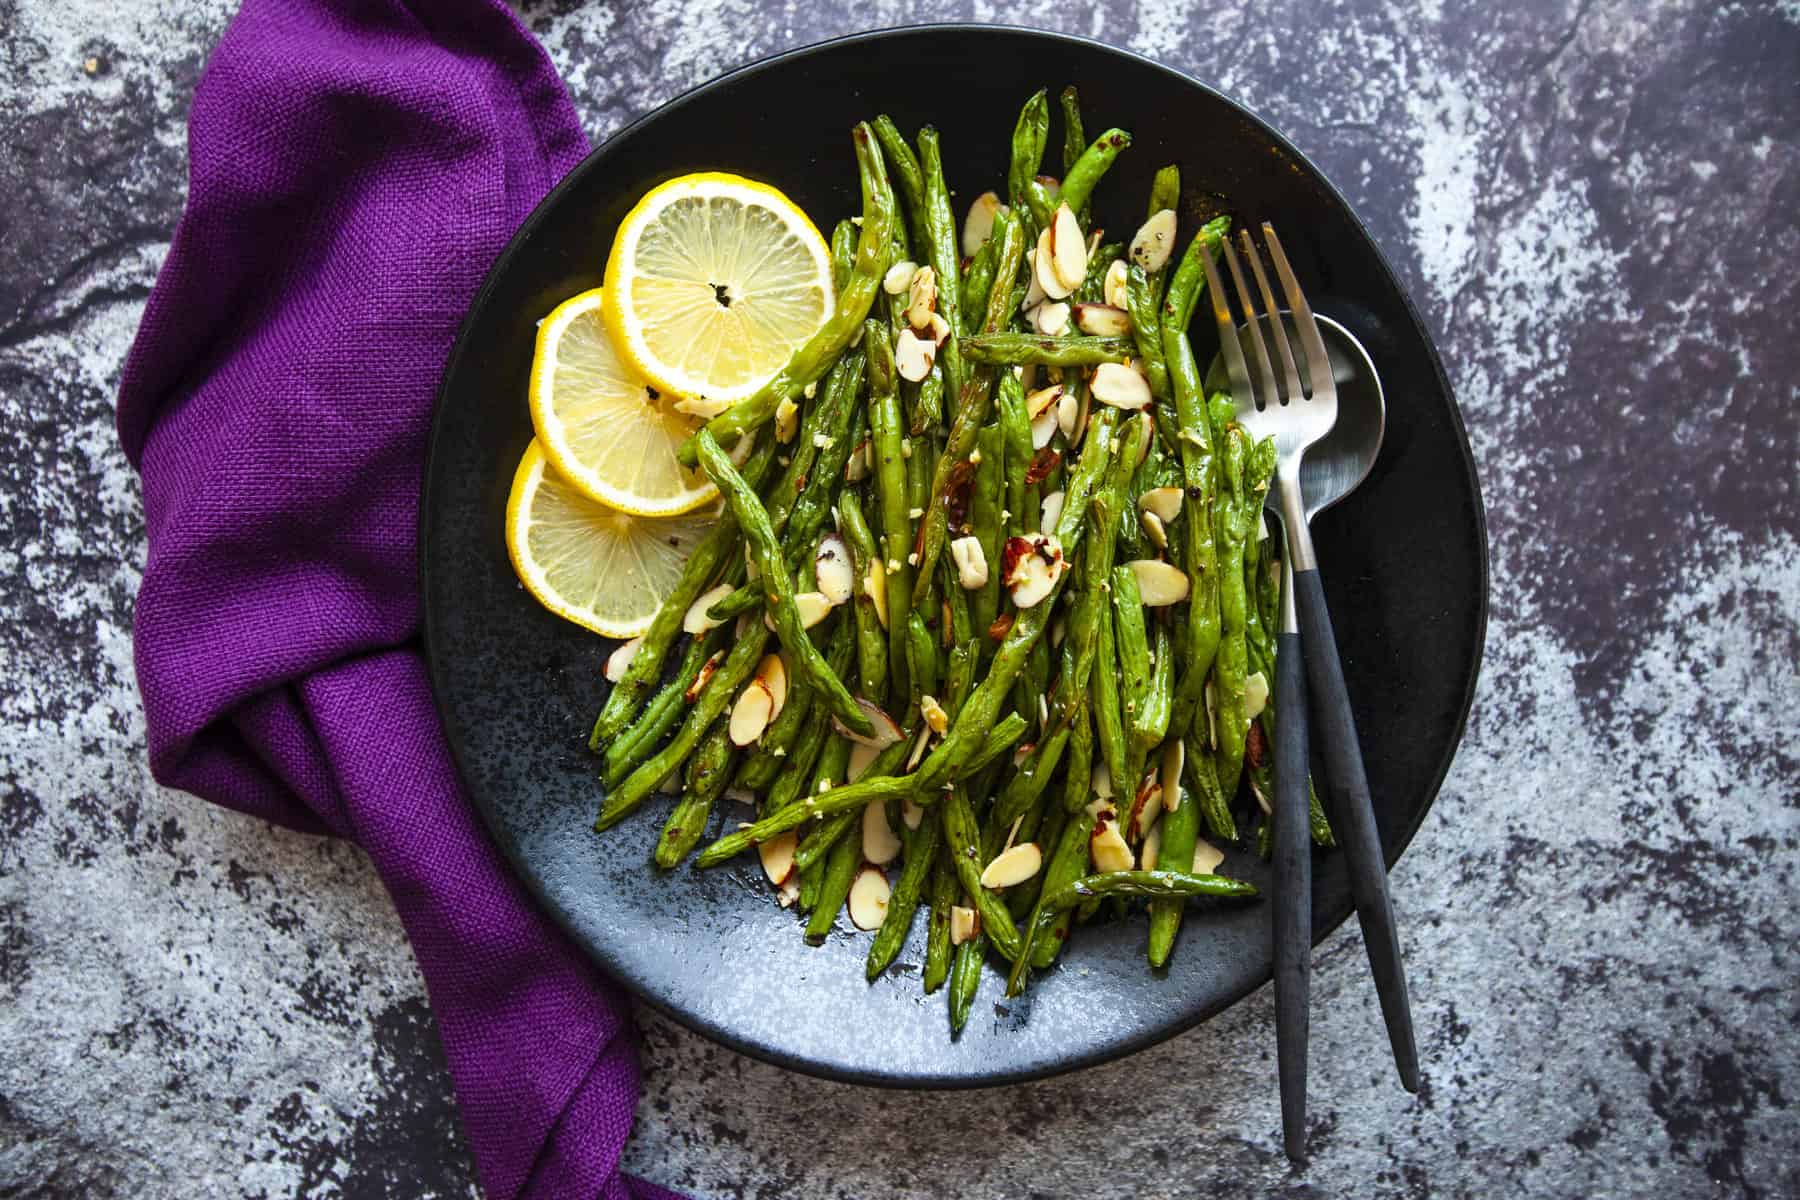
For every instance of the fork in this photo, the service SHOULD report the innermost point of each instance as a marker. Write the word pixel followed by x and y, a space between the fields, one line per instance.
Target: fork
pixel 1296 412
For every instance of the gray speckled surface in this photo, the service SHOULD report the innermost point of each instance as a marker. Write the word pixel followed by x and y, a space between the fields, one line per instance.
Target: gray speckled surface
pixel 1595 205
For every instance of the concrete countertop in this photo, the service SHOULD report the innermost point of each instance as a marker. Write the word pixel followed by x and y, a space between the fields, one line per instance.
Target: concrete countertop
pixel 1597 207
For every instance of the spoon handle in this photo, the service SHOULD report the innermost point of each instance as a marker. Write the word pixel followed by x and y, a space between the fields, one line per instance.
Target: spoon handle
pixel 1353 811
pixel 1292 901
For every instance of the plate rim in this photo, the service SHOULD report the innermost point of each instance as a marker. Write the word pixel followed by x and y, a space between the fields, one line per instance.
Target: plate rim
pixel 429 633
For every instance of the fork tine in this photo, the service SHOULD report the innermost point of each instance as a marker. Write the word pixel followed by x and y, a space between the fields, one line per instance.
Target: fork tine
pixel 1277 327
pixel 1243 392
pixel 1270 395
pixel 1318 363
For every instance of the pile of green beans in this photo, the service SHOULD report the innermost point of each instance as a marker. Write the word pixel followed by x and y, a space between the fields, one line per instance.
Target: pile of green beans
pixel 1046 679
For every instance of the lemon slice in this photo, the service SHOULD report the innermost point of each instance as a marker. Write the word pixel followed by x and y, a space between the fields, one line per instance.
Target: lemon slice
pixel 712 282
pixel 588 563
pixel 604 428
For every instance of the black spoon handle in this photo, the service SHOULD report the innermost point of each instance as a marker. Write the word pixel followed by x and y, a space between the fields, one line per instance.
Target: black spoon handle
pixel 1293 891
pixel 1355 816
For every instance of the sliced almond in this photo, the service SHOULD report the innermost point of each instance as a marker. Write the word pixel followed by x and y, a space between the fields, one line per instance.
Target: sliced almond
pixel 754 709
pixel 1068 249
pixel 911 815
pixel 1043 429
pixel 1146 434
pixel 1034 288
pixel 938 328
pixel 875 584
pixel 869 899
pixel 1043 270
pixel 703 676
pixel 1145 807
pixel 1115 288
pixel 965 923
pixel 1067 409
pixel 701 407
pixel 1207 857
pixel 696 621
pixel 1159 583
pixel 913 356
pixel 787 893
pixel 1174 758
pixel 861 756
pixel 899 277
pixel 921 296
pixel 787 419
pixel 1101 320
pixel 1100 781
pixel 1051 317
pixel 918 750
pixel 971 562
pixel 813 606
pixel 1107 847
pixel 1151 854
pixel 1042 400
pixel 979 224
pixel 856 469
pixel 879 845
pixel 777 856
pixel 752 572
pixel 1118 385
pixel 831 564
pixel 1031 568
pixel 1153 529
pixel 772 673
pixel 1165 502
pixel 1154 241
pixel 936 719
pixel 1256 695
pixel 886 732
pixel 1053 506
pixel 620 659
pixel 1013 866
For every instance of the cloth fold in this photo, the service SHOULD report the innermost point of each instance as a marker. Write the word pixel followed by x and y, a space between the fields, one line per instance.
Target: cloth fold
pixel 355 166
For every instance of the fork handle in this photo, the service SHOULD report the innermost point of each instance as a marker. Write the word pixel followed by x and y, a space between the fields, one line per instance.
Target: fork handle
pixel 1293 887
pixel 1355 815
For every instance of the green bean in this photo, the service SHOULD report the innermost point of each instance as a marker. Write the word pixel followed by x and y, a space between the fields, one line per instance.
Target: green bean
pixel 841 865
pixel 971 412
pixel 943 254
pixel 738 665
pixel 1230 666
pixel 1142 301
pixel 707 773
pixel 959 676
pixel 1170 885
pixel 963 837
pixel 978 284
pixel 920 848
pixel 1044 933
pixel 871 639
pixel 1202 774
pixel 925 412
pixel 718 547
pixel 1081 634
pixel 1029 136
pixel 754 520
pixel 635 744
pixel 1165 190
pixel 937 935
pixel 965 980
pixel 1074 139
pixel 890 492
pixel 1150 720
pixel 1104 686
pixel 1078 780
pixel 1079 180
pixel 1012 349
pixel 816 355
pixel 795 769
pixel 843 252
pixel 902 162
pixel 1033 684
pixel 1180 836
pixel 984 522
pixel 1015 429
pixel 1093 284
pixel 921 659
pixel 1028 782
pixel 829 773
pixel 774 748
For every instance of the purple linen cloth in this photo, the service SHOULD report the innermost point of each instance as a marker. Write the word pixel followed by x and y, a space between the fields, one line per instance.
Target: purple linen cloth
pixel 354 169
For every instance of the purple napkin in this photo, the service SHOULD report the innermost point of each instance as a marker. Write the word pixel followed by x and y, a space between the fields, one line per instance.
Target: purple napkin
pixel 355 168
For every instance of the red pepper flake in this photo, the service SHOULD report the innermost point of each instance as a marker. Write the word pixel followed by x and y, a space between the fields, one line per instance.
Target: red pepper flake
pixel 1254 746
pixel 957 491
pixel 1001 627
pixel 1042 463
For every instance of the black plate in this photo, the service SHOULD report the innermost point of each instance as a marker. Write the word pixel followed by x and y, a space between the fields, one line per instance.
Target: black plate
pixel 1405 564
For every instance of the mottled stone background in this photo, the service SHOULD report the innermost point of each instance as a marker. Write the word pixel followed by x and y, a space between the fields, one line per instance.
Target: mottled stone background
pixel 1595 205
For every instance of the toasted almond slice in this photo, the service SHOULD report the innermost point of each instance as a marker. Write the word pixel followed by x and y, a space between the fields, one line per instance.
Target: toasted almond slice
pixel 1067 409
pixel 1053 506
pixel 703 676
pixel 752 572
pixel 899 277
pixel 1146 433
pixel 1101 320
pixel 1040 401
pixel 869 899
pixel 1159 583
pixel 787 419
pixel 1145 807
pixel 979 224
pixel 787 893
pixel 1014 866
pixel 879 845
pixel 1256 695
pixel 1165 502
pixel 911 815
pixel 1100 780
pixel 936 719
pixel 1043 429
pixel 1174 758
pixel 1153 529
pixel 913 355
pixel 1207 857
pixel 1050 317
pixel 1107 847
pixel 1114 288
pixel 772 673
pixel 856 469
pixel 861 755
pixel 1031 567
pixel 886 732
pixel 1118 385
pixel 1154 241
pixel 938 328
pixel 875 583
pixel 1043 270
pixel 965 923
pixel 620 659
pixel 918 750
pixel 971 562
pixel 813 606
pixel 1151 854
pixel 1068 249
pixel 777 856
pixel 754 709
pixel 921 295
pixel 1034 289
pixel 696 621
pixel 831 564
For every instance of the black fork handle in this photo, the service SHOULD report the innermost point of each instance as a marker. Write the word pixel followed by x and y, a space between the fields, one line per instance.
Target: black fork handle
pixel 1293 891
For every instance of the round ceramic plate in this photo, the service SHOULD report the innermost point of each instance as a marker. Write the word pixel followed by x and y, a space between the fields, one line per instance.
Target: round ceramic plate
pixel 1404 562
